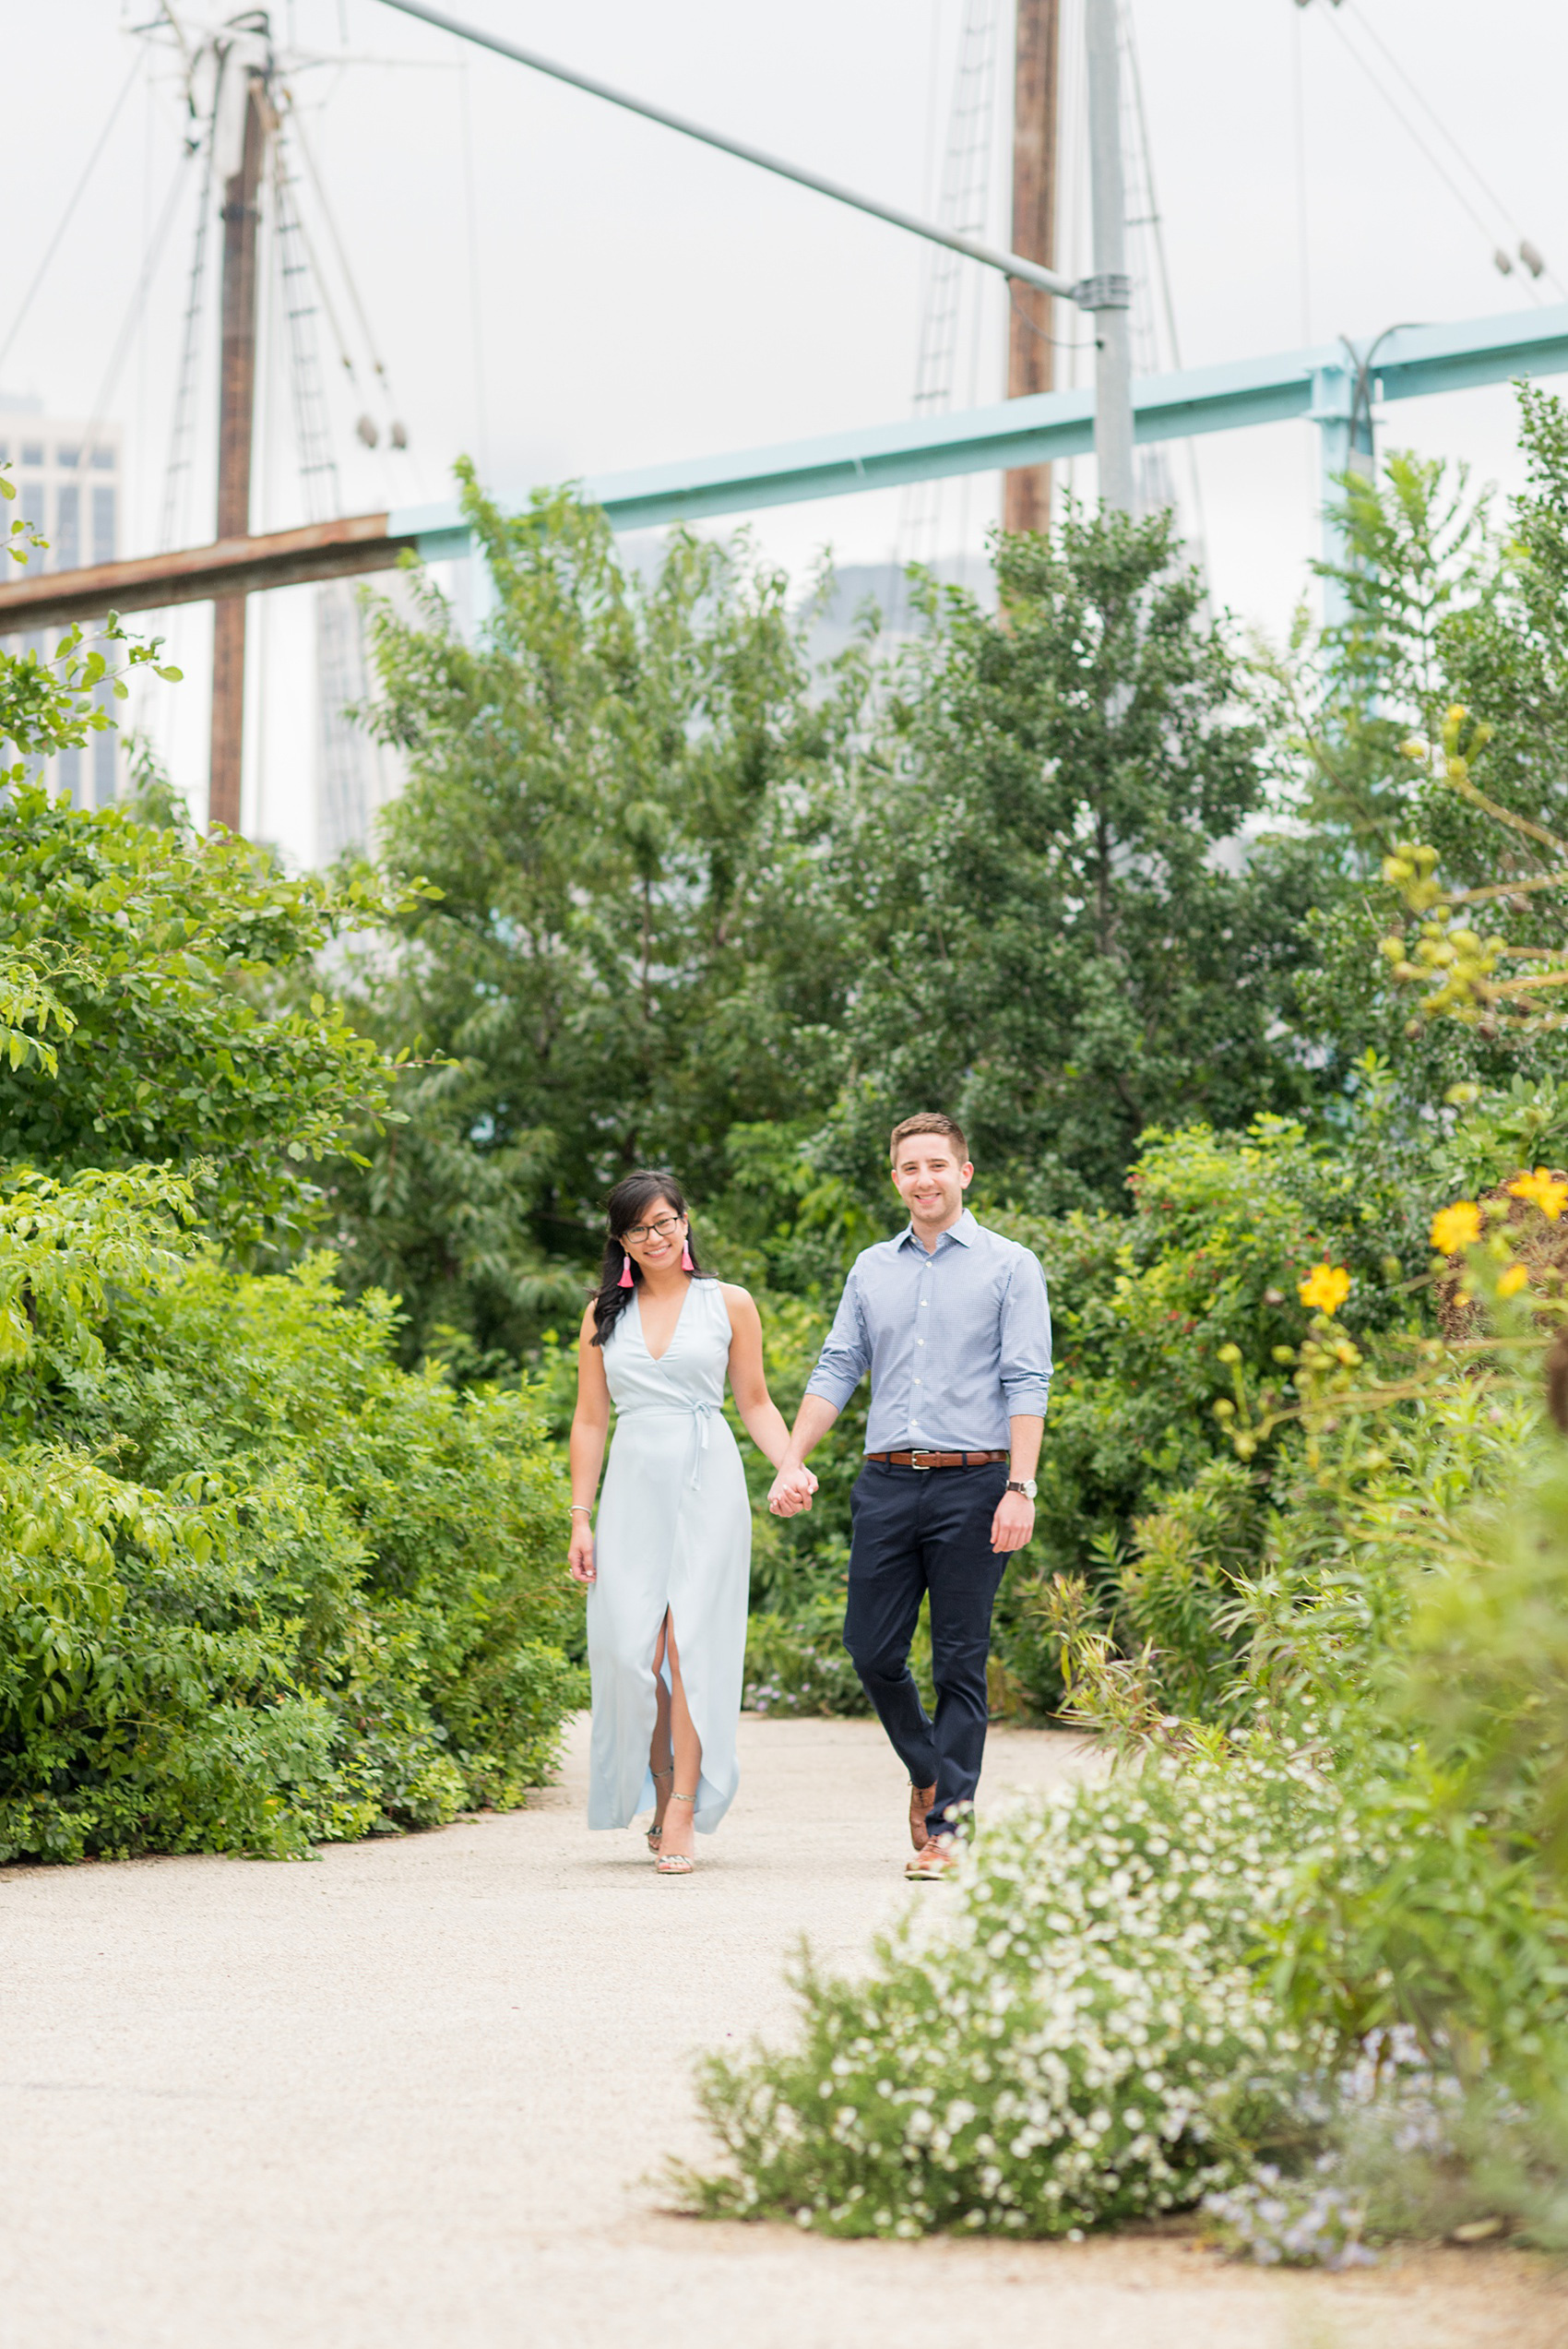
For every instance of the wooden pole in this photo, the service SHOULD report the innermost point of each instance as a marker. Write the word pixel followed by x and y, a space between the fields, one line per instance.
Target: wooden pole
pixel 346 547
pixel 1026 495
pixel 236 416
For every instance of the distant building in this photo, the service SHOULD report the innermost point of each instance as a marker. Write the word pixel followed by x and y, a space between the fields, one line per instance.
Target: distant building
pixel 69 487
pixel 837 620
pixel 355 774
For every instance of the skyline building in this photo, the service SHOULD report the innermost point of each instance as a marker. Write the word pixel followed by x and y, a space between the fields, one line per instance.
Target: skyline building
pixel 70 487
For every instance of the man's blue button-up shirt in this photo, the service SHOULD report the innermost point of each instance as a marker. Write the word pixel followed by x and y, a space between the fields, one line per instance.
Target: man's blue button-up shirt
pixel 956 1341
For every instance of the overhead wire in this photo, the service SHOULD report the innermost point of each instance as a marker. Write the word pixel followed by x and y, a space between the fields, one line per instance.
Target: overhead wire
pixel 69 212
pixel 1057 343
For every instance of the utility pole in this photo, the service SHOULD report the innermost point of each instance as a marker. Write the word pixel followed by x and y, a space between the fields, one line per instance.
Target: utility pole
pixel 1025 493
pixel 1107 293
pixel 236 417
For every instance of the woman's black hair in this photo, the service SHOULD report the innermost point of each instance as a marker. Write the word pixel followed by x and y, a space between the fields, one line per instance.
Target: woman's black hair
pixel 628 1203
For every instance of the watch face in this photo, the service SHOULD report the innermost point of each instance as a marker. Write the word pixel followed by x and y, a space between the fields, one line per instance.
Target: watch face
pixel 1024 1485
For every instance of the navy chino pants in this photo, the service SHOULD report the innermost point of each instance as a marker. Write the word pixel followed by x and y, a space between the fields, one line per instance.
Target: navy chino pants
pixel 918 1530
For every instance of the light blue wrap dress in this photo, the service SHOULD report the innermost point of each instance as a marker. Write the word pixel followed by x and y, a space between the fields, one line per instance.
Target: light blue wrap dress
pixel 674 1532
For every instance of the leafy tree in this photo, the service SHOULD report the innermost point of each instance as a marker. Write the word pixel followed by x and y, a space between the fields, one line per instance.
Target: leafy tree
pixel 165 959
pixel 1438 714
pixel 257 1585
pixel 621 793
pixel 143 973
pixel 1064 930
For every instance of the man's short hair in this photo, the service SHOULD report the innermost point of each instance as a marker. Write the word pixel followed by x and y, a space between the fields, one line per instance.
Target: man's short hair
pixel 929 1121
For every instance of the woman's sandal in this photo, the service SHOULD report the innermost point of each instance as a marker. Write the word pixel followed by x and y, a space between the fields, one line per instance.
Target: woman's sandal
pixel 676 1863
pixel 655 1834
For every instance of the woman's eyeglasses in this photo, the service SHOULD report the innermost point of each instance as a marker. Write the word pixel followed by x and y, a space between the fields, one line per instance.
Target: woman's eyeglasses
pixel 659 1231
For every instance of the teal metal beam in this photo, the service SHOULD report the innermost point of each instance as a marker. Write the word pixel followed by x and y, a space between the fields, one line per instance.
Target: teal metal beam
pixel 1410 363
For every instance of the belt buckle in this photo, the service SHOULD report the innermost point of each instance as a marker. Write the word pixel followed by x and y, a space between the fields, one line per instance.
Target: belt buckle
pixel 923 1465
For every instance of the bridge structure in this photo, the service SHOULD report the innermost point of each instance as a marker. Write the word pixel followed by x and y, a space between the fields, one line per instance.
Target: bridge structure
pixel 1338 387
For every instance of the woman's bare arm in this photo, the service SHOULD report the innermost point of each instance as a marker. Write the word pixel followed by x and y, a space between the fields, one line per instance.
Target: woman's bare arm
pixel 748 1380
pixel 591 1424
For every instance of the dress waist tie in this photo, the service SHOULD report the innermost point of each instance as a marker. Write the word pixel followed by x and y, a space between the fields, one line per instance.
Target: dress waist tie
pixel 701 1413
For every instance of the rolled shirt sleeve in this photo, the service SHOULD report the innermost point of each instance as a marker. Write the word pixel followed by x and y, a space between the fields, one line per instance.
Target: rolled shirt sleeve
pixel 1025 1366
pixel 846 1356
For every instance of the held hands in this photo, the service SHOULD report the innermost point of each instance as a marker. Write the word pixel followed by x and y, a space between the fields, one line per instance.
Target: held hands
pixel 791 1490
pixel 1013 1522
pixel 579 1555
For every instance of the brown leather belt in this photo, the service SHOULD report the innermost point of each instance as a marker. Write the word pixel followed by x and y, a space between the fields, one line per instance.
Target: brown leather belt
pixel 938 1460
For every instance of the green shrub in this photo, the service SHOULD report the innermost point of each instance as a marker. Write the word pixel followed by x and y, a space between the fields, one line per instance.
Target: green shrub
pixel 1088 2036
pixel 257 1585
pixel 1408 2153
pixel 1140 1491
pixel 798 1664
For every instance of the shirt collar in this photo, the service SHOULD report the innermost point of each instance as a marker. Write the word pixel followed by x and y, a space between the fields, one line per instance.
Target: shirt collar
pixel 963 1232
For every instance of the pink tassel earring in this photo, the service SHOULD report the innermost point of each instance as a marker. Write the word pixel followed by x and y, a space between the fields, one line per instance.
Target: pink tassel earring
pixel 686 1264
pixel 625 1281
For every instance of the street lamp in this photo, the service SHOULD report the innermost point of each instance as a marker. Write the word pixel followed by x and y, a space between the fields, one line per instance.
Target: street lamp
pixel 1106 295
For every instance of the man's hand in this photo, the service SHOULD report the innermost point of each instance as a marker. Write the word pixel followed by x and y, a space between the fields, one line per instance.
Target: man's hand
pixel 1013 1522
pixel 791 1490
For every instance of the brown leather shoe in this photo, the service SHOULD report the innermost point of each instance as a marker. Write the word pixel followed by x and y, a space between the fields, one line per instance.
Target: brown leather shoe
pixel 921 1801
pixel 938 1857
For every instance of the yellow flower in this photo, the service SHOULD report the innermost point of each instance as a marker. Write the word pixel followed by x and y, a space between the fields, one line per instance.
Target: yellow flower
pixel 1512 1280
pixel 1549 1197
pixel 1326 1288
pixel 1455 1227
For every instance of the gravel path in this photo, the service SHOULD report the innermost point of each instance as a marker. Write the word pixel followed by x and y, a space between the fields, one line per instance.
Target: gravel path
pixel 416 2097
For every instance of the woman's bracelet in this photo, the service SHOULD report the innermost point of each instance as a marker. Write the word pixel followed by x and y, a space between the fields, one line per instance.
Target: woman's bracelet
pixel 586 1507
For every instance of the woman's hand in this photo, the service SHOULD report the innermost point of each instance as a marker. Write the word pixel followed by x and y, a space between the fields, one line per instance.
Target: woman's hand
pixel 791 1490
pixel 579 1556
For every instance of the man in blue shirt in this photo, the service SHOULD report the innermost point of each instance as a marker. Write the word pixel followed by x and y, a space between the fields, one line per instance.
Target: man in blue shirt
pixel 954 1325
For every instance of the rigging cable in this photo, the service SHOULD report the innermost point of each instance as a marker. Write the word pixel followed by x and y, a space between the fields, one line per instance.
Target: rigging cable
pixel 134 310
pixel 482 406
pixel 965 186
pixel 1156 225
pixel 319 275
pixel 181 429
pixel 65 217
pixel 377 363
pixel 978 306
pixel 1443 132
pixel 1409 128
pixel 1299 138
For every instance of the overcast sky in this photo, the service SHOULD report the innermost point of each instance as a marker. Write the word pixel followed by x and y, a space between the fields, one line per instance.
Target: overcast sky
pixel 560 289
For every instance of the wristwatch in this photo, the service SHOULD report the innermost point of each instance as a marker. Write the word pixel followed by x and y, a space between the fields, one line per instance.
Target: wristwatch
pixel 1024 1485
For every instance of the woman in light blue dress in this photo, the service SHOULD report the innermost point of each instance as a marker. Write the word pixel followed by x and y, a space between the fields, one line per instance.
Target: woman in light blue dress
pixel 669 1569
